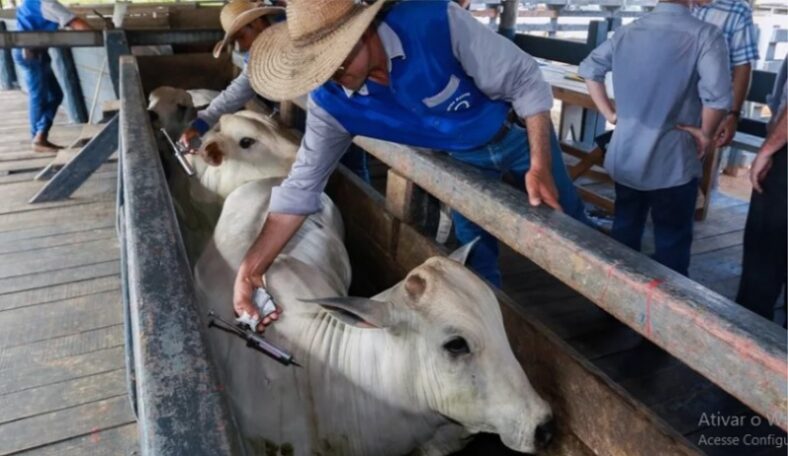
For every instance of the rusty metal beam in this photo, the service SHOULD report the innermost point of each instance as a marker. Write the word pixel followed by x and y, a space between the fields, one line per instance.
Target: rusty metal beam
pixel 739 351
pixel 181 408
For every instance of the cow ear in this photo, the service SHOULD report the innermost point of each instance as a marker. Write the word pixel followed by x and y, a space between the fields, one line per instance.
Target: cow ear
pixel 358 312
pixel 461 254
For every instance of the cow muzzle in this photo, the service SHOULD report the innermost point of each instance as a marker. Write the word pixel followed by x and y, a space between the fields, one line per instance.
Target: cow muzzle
pixel 212 153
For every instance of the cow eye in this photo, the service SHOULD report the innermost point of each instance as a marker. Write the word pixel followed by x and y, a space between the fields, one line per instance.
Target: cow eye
pixel 457 346
pixel 246 143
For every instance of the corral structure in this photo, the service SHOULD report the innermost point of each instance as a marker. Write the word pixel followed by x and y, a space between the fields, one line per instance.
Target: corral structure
pixel 100 348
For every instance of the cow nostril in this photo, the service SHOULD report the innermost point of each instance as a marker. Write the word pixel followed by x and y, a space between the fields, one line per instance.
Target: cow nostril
pixel 544 433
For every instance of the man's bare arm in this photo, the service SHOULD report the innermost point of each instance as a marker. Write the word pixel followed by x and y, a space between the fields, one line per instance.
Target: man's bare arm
pixel 277 230
pixel 539 181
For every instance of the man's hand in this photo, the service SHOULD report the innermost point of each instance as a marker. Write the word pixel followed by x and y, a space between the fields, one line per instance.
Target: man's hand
pixel 243 290
pixel 760 168
pixel 541 188
pixel 726 130
pixel 611 118
pixel 703 143
pixel 187 136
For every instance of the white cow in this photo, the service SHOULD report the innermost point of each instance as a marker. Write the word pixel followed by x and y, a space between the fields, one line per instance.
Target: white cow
pixel 242 147
pixel 173 108
pixel 414 370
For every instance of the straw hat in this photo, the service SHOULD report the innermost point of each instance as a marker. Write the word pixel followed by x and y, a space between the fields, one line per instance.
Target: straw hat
pixel 289 59
pixel 238 14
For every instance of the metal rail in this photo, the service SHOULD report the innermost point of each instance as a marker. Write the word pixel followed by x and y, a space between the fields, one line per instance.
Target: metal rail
pixel 96 38
pixel 180 406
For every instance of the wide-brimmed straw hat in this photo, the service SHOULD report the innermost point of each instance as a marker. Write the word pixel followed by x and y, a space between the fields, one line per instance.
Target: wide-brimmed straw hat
pixel 289 59
pixel 238 14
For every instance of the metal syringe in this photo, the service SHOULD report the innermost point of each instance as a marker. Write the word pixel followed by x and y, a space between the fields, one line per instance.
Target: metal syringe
pixel 252 339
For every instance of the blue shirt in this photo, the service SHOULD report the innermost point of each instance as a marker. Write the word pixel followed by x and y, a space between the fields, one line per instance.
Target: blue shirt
pixel 734 18
pixel 500 70
pixel 666 67
pixel 42 15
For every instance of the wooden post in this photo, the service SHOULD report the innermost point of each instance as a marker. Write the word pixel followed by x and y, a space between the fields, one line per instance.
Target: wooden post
pixel 75 101
pixel 411 204
pixel 508 25
pixel 7 70
pixel 399 196
pixel 116 44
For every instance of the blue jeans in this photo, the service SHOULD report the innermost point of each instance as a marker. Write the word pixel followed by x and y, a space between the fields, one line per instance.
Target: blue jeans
pixel 355 159
pixel 43 90
pixel 512 155
pixel 672 211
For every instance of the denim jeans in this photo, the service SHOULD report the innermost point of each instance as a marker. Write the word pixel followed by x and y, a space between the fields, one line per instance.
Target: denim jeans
pixel 512 154
pixel 672 211
pixel 355 159
pixel 43 90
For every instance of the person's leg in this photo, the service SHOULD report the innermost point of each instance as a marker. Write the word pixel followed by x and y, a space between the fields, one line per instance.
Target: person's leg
pixel 54 97
pixel 518 162
pixel 629 218
pixel 764 259
pixel 483 259
pixel 355 159
pixel 673 212
pixel 31 74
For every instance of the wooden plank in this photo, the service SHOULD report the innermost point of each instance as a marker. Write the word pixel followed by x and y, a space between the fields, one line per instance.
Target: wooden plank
pixel 76 172
pixel 683 413
pixel 65 424
pixel 63 395
pixel 25 235
pixel 30 164
pixel 59 292
pixel 663 385
pixel 61 318
pixel 718 242
pixel 121 440
pixel 52 216
pixel 59 276
pixel 57 240
pixel 60 257
pixel 399 196
pixel 17 177
pixel 40 372
pixel 102 187
pixel 640 361
pixel 606 342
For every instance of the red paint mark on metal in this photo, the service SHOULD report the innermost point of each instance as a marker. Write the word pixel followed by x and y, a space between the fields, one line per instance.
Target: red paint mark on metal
pixel 650 286
pixel 95 437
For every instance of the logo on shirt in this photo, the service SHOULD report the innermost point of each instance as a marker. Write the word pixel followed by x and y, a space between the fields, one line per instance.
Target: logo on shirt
pixel 460 103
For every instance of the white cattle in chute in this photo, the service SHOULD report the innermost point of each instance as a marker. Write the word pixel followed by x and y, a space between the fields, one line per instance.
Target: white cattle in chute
pixel 413 370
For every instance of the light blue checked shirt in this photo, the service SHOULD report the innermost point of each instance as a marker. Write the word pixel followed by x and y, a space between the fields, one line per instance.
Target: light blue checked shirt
pixel 734 18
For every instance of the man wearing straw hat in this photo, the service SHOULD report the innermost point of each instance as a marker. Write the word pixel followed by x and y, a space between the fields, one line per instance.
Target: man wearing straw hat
pixel 242 21
pixel 423 73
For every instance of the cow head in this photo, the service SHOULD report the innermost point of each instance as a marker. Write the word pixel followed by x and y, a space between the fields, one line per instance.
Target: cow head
pixel 171 108
pixel 448 323
pixel 248 138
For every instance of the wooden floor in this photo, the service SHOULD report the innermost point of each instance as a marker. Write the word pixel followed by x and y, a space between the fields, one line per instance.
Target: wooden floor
pixel 62 368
